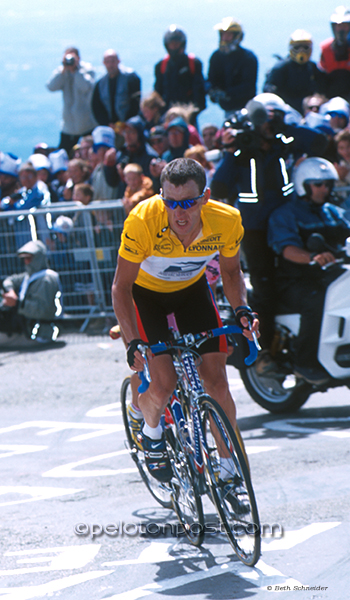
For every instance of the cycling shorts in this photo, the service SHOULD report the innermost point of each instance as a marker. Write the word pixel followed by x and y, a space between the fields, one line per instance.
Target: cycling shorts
pixel 194 309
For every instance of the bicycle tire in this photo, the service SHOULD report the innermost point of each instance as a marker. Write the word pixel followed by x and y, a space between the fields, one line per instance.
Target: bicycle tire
pixel 187 502
pixel 243 531
pixel 160 491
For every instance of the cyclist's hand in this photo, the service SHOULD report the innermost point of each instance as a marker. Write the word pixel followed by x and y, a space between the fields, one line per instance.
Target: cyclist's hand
pixel 134 357
pixel 249 320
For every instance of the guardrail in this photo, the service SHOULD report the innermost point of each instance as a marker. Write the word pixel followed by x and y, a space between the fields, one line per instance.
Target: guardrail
pixel 84 254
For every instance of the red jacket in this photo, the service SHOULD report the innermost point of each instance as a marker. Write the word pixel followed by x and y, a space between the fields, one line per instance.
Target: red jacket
pixel 328 62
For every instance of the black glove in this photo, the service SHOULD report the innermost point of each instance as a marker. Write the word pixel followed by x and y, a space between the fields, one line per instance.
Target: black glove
pixel 244 311
pixel 132 348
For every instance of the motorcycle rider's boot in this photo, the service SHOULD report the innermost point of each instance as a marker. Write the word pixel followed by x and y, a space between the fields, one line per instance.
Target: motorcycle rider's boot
pixel 313 375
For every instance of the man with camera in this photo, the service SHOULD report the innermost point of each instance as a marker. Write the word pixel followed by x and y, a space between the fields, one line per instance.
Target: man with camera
pixel 75 79
pixel 259 150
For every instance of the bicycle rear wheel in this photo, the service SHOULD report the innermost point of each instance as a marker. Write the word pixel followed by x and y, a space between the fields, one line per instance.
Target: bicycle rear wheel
pixel 160 491
pixel 243 530
pixel 187 502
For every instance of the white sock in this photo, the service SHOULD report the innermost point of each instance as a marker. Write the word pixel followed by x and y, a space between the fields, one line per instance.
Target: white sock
pixel 155 433
pixel 227 468
pixel 136 412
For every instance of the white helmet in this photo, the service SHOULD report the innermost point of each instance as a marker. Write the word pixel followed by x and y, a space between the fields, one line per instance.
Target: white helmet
pixel 310 170
pixel 340 15
pixel 272 102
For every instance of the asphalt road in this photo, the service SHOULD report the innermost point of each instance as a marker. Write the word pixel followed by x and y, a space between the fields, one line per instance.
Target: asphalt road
pixel 65 472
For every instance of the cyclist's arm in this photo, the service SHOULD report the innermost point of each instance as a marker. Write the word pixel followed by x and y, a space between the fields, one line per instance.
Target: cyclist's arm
pixel 122 299
pixel 235 290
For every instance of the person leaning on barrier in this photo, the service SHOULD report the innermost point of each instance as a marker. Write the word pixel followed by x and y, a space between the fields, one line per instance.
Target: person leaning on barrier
pixel 31 300
pixel 166 243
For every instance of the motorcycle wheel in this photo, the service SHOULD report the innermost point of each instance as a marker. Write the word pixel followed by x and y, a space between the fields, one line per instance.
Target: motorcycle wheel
pixel 276 392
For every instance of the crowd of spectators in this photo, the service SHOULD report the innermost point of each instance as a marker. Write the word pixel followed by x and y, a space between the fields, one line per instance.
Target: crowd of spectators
pixel 115 142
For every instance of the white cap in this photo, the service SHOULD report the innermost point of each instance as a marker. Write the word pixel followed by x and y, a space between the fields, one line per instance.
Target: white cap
pixel 336 104
pixel 59 160
pixel 40 161
pixel 103 136
pixel 9 164
pixel 63 224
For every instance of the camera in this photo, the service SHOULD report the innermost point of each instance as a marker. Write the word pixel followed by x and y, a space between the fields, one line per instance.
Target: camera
pixel 246 138
pixel 69 60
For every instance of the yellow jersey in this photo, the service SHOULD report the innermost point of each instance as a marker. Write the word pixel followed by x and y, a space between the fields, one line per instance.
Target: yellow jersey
pixel 165 265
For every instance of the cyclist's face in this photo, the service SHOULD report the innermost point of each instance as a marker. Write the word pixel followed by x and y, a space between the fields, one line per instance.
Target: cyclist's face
pixel 186 223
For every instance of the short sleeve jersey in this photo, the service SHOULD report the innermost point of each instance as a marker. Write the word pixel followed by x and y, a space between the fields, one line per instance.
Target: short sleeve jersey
pixel 165 265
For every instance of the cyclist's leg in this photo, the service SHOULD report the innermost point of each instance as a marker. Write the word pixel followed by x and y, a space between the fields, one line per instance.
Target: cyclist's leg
pixel 213 372
pixel 154 400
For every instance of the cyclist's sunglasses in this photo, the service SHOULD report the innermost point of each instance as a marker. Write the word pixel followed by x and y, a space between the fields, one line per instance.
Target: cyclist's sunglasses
pixel 184 204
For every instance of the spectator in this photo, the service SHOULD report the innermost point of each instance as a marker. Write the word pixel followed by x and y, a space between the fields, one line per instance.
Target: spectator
pixel 138 187
pixel 75 79
pixel 116 96
pixel 81 150
pixel 342 141
pixel 313 103
pixel 335 55
pixel 232 69
pixel 209 133
pixel 198 153
pixel 158 139
pixel 78 172
pixel 104 139
pixel 9 169
pixel 297 76
pixel 185 111
pixel 32 299
pixel 83 192
pixel 59 170
pixel 152 109
pixel 32 194
pixel 300 281
pixel 337 110
pixel 136 149
pixel 179 76
pixel 178 139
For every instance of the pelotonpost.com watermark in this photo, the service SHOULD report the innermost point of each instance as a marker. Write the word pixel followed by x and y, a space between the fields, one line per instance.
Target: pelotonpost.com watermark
pixel 154 530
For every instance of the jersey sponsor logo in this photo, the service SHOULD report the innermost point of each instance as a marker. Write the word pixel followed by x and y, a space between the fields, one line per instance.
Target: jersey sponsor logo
pixel 212 239
pixel 205 248
pixel 131 250
pixel 184 268
pixel 165 247
pixel 128 237
pixel 160 233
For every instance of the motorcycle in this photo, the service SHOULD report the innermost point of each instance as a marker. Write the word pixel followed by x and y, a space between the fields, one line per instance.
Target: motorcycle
pixel 274 385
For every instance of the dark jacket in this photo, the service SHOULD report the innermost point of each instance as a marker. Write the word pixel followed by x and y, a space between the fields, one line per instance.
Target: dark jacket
pixel 178 84
pixel 235 73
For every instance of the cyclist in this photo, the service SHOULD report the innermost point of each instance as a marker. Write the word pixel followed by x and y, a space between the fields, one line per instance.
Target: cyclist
pixel 166 244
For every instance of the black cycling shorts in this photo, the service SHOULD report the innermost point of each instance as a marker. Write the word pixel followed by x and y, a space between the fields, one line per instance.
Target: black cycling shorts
pixel 194 309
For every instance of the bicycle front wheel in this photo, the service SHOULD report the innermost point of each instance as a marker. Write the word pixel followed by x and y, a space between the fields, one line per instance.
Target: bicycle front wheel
pixel 233 497
pixel 187 502
pixel 160 491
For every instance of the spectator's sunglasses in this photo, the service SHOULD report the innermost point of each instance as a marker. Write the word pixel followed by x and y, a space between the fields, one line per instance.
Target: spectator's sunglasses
pixel 184 204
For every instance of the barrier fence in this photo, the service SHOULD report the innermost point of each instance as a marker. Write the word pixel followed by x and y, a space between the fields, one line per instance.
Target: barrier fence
pixel 83 250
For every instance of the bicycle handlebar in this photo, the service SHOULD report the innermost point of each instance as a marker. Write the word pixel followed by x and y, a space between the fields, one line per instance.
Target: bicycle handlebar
pixel 190 340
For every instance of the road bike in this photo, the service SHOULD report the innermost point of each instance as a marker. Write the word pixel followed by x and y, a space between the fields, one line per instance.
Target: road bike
pixel 198 435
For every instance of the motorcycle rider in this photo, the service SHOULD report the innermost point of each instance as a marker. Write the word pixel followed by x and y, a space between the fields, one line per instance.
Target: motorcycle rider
pixel 302 276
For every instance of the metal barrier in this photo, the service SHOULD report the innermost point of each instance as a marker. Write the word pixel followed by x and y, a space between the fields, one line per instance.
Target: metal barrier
pixel 84 252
